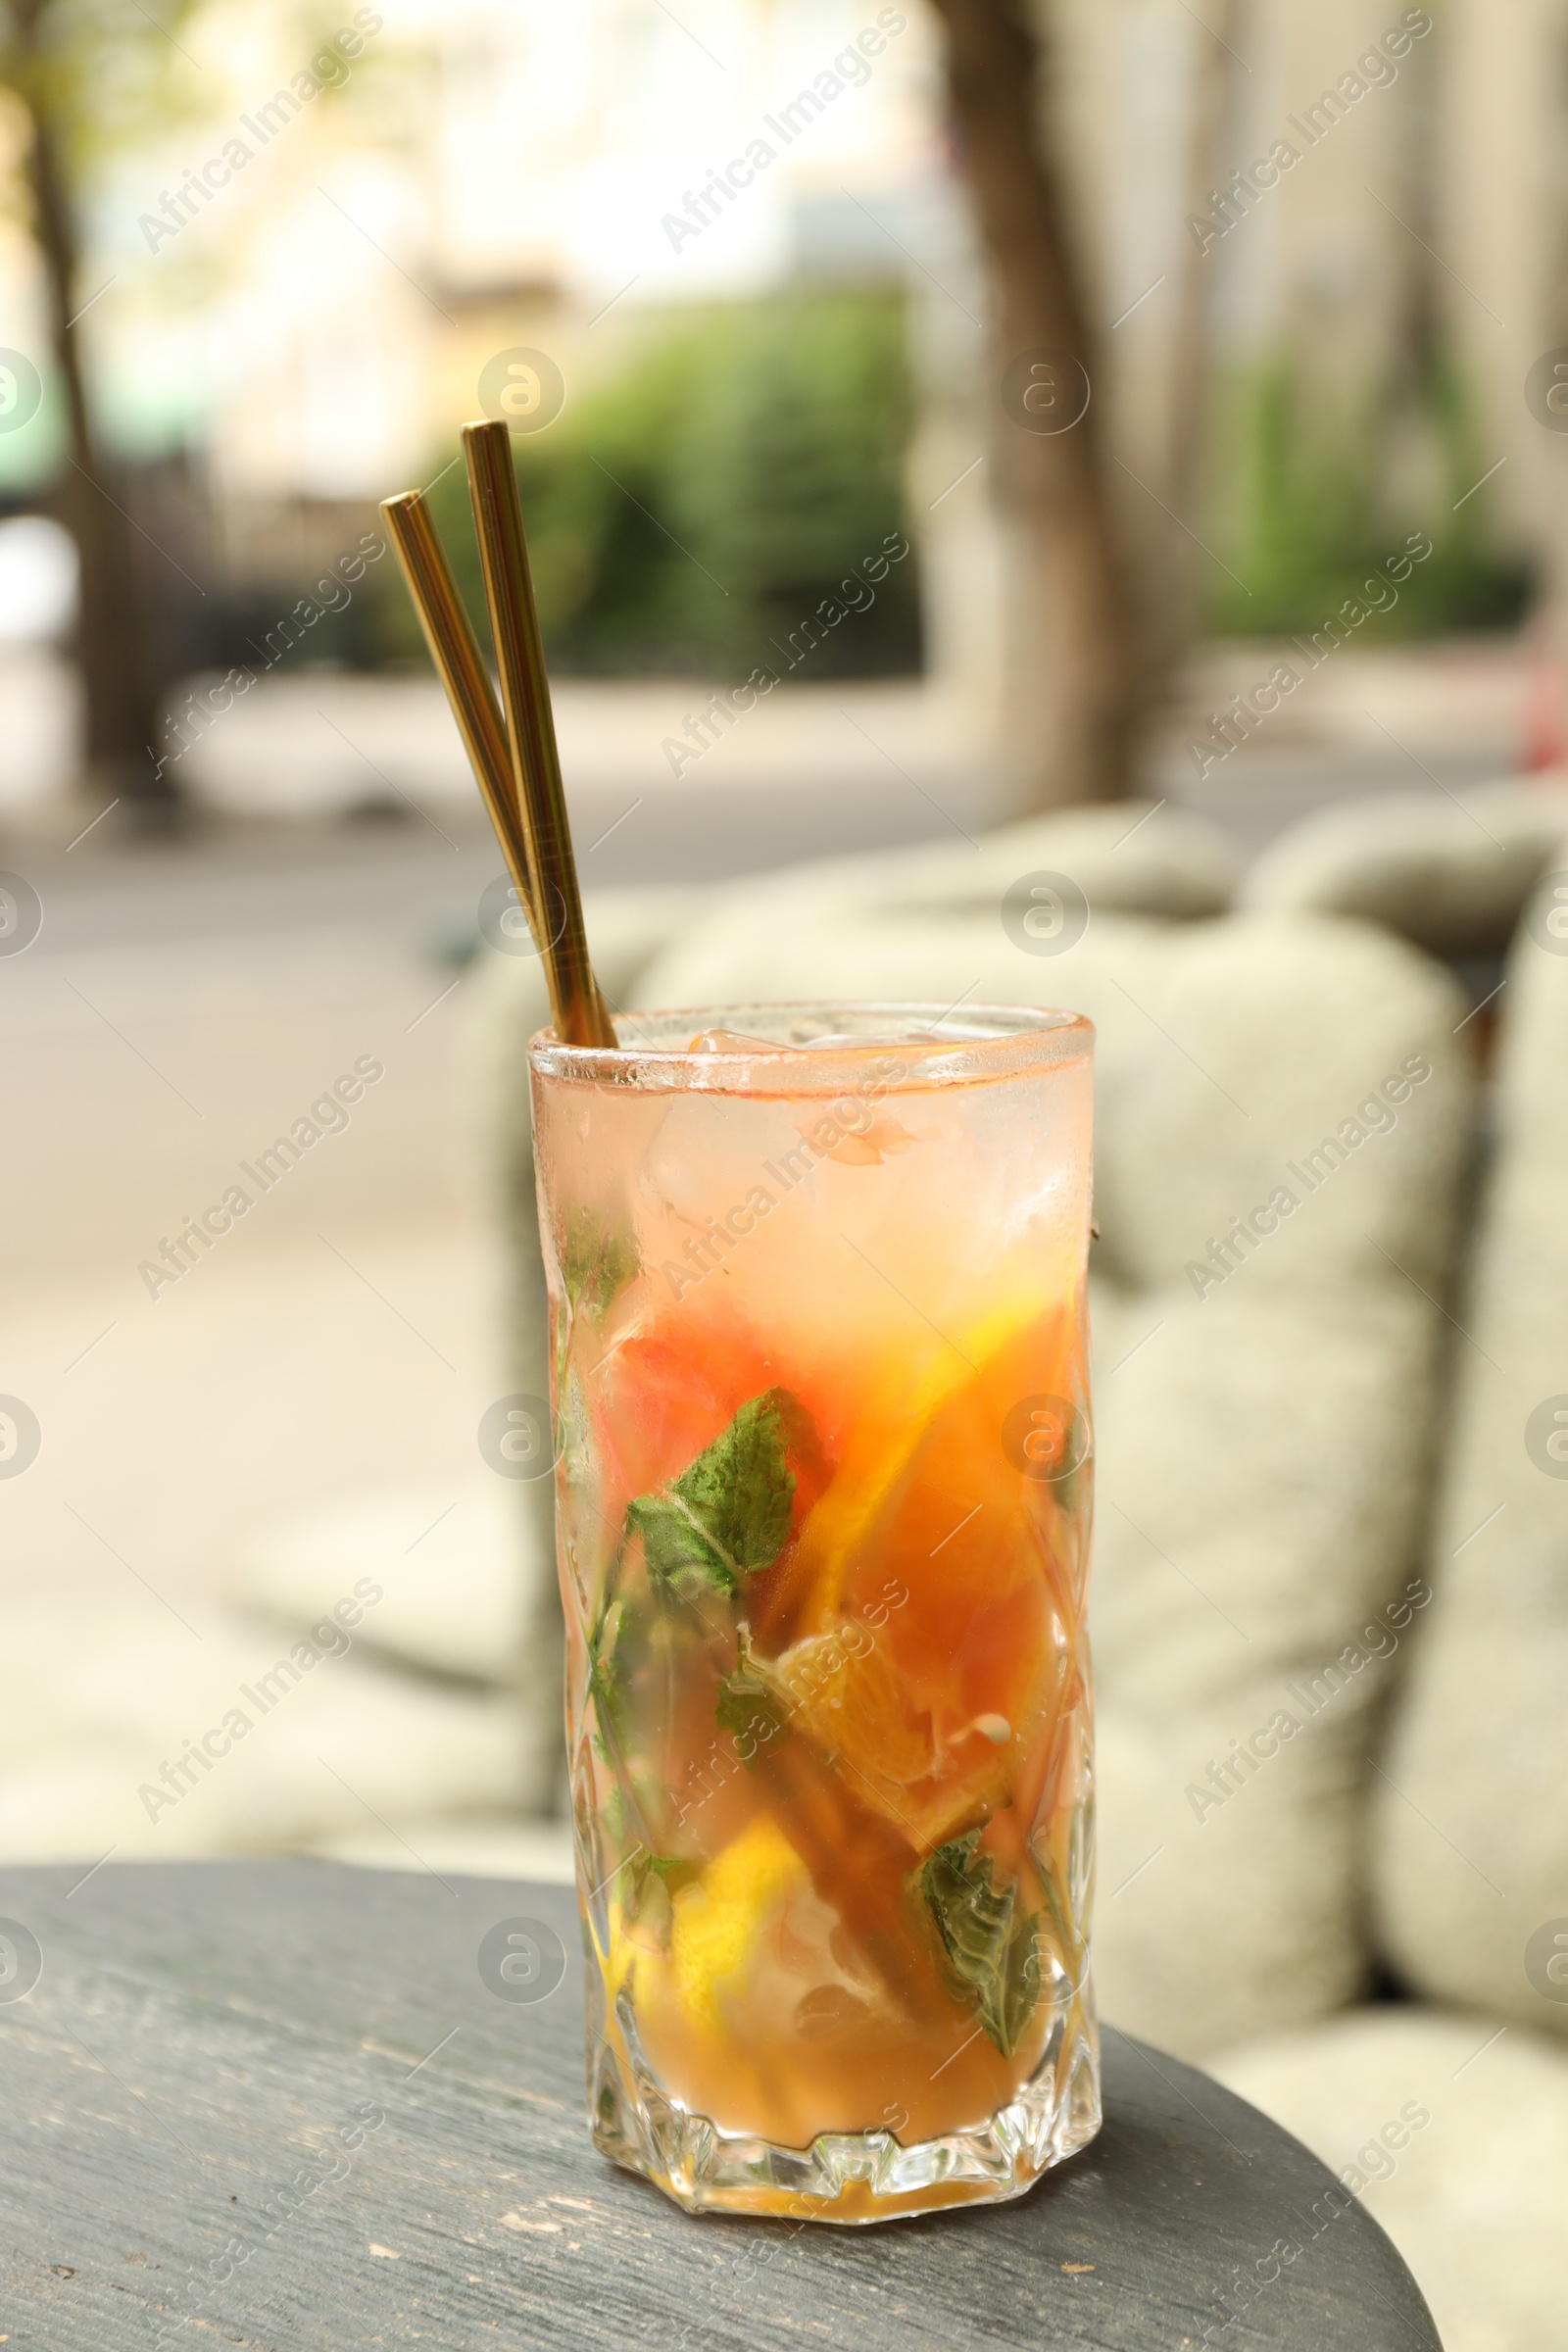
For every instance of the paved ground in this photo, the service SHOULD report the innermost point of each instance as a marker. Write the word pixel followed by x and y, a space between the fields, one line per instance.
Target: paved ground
pixel 335 1333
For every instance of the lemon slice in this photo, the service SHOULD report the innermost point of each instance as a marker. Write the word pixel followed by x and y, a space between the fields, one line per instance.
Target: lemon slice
pixel 720 1920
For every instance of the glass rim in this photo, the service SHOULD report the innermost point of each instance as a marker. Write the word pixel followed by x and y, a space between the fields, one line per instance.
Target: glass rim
pixel 962 1044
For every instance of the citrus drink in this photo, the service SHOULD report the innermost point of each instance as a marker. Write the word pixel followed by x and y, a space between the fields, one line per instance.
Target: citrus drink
pixel 823 1489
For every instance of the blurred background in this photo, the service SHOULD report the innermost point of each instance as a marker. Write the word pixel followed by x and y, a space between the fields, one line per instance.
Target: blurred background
pixel 1103 401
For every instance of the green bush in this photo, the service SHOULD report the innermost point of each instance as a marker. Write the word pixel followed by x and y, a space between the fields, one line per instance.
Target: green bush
pixel 691 514
pixel 1311 504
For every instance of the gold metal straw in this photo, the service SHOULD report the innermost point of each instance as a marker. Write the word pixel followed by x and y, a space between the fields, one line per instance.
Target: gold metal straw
pixel 460 665
pixel 577 1010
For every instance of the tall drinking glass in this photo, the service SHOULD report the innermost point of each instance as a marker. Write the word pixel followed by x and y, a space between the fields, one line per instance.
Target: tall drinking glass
pixel 816 1279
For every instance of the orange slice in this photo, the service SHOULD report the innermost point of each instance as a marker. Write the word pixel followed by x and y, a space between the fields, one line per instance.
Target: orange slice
pixel 855 1708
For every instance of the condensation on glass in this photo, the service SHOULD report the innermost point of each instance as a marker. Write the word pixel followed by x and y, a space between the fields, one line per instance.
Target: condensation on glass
pixel 823 1473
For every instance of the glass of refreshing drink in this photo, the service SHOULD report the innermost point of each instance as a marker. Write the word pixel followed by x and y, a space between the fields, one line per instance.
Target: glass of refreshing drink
pixel 823 1468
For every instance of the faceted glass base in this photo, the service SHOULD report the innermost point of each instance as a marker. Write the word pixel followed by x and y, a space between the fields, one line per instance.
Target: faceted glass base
pixel 842 2177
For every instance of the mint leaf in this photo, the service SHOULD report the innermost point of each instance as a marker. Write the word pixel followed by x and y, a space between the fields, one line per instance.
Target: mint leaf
pixel 616 1646
pixel 646 1873
pixel 648 1884
pixel 748 1706
pixel 621 1648
pixel 614 1816
pixel 597 1262
pixel 988 1940
pixel 727 1515
pixel 674 1870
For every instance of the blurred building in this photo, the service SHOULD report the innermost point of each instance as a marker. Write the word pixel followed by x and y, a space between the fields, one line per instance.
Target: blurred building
pixel 449 181
pixel 506 172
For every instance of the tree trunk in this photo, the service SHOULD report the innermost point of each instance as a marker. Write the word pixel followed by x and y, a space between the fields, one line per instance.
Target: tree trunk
pixel 1169 609
pixel 1075 695
pixel 122 712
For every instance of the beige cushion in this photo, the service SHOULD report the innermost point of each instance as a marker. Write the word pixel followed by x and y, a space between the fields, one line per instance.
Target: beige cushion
pixel 1449 872
pixel 1262 1448
pixel 1472 1825
pixel 87 1725
pixel 1454 2135
pixel 464 1846
pixel 1132 859
pixel 454 1599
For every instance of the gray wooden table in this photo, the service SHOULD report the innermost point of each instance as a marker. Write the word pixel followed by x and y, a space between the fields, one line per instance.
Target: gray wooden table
pixel 291 2106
